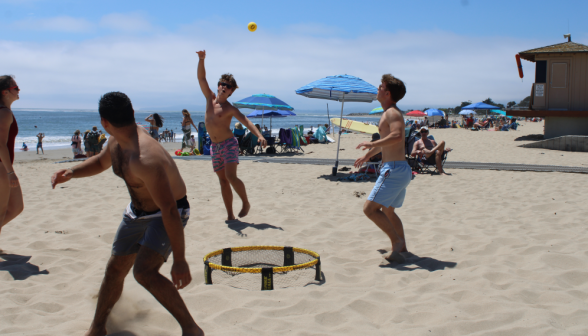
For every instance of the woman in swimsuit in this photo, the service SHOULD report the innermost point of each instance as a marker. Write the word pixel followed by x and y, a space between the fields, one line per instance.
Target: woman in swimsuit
pixel 156 121
pixel 76 144
pixel 187 124
pixel 11 203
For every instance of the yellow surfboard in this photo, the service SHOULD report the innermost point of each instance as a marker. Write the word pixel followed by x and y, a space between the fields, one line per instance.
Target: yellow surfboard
pixel 356 126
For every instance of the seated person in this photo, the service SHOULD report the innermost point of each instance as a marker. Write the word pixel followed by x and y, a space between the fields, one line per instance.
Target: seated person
pixel 192 143
pixel 375 158
pixel 483 124
pixel 470 121
pixel 24 147
pixel 239 132
pixel 429 150
pixel 442 123
pixel 513 124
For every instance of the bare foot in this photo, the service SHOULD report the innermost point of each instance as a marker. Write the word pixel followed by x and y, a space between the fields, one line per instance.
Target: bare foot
pixel 231 217
pixel 245 210
pixel 395 257
pixel 93 332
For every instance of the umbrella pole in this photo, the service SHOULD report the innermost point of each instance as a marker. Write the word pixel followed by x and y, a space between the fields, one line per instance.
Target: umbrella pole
pixel 262 110
pixel 328 117
pixel 334 172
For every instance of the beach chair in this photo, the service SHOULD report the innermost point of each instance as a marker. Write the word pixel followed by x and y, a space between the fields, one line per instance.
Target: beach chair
pixel 296 136
pixel 248 145
pixel 271 146
pixel 285 140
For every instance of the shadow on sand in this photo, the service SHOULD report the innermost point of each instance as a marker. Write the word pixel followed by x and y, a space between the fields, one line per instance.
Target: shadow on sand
pixel 19 267
pixel 530 137
pixel 414 262
pixel 122 333
pixel 343 177
pixel 238 226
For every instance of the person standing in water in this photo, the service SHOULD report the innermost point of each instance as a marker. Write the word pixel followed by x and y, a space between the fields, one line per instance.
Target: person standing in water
pixel 225 147
pixel 187 124
pixel 395 174
pixel 11 202
pixel 153 223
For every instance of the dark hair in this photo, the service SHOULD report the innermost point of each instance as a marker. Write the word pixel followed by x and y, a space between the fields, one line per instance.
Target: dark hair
pixel 116 108
pixel 228 78
pixel 5 83
pixel 158 120
pixel 395 86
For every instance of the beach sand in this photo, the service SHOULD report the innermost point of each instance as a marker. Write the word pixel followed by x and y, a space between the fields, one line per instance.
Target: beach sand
pixel 492 252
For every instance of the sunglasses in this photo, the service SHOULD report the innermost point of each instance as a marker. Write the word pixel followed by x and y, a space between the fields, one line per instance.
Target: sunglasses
pixel 228 86
pixel 424 131
pixel 14 87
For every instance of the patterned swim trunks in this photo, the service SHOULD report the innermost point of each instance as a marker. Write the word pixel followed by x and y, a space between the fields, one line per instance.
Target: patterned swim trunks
pixel 224 152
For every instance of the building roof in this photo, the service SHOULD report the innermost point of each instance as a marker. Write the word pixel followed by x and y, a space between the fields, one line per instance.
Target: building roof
pixel 566 47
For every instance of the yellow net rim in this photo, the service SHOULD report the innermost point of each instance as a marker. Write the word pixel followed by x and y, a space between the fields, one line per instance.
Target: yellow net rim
pixel 258 269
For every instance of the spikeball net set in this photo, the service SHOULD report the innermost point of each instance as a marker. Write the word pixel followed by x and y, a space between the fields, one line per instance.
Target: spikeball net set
pixel 268 267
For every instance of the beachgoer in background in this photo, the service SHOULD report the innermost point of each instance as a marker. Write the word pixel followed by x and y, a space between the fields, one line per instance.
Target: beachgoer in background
pixel 225 148
pixel 76 144
pixel 40 137
pixel 187 124
pixel 11 202
pixel 395 174
pixel 93 138
pixel 429 150
pixel 191 143
pixel 155 121
pixel 153 223
pixel 87 147
pixel 470 121
pixel 328 128
pixel 101 141
pixel 24 147
pixel 239 132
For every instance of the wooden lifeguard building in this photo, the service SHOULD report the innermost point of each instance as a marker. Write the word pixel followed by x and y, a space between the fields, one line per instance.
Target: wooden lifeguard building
pixel 560 91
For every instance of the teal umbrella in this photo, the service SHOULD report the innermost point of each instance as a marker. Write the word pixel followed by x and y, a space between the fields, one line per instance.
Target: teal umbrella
pixel 377 110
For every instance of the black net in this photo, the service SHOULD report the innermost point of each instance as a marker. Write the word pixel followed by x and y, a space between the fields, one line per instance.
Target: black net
pixel 264 259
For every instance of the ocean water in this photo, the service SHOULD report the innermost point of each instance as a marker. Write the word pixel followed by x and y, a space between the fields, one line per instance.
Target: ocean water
pixel 59 125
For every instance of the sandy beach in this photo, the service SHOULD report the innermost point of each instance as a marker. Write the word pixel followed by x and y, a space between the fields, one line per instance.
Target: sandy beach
pixel 491 252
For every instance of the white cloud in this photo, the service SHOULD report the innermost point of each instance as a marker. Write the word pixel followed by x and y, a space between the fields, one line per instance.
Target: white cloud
pixel 64 24
pixel 133 22
pixel 439 68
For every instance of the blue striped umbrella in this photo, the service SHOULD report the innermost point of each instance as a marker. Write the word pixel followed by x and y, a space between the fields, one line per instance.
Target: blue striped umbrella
pixel 271 114
pixel 434 112
pixel 340 88
pixel 263 102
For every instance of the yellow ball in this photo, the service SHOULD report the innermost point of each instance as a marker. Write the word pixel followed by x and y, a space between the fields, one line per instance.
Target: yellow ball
pixel 252 26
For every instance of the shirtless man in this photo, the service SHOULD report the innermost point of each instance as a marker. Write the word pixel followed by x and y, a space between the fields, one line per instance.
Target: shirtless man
pixel 430 150
pixel 225 147
pixel 395 174
pixel 40 137
pixel 152 225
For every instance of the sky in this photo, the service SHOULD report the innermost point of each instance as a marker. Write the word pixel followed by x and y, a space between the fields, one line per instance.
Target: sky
pixel 65 54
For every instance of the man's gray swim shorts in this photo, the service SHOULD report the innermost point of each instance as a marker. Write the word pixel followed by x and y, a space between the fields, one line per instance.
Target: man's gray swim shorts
pixel 139 228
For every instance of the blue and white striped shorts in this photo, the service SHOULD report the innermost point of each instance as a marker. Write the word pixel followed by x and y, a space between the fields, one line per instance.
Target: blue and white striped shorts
pixel 390 187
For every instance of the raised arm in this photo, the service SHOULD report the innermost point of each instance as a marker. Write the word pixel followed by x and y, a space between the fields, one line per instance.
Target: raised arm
pixel 149 118
pixel 154 175
pixel 92 166
pixel 202 76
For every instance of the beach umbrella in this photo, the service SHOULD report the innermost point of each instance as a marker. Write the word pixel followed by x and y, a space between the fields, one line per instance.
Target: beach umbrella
pixel 479 106
pixel 343 88
pixel 434 112
pixel 263 102
pixel 466 112
pixel 499 112
pixel 271 114
pixel 416 113
pixel 377 110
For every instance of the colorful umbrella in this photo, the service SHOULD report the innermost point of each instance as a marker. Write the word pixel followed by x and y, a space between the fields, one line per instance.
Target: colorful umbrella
pixel 416 113
pixel 340 88
pixel 377 110
pixel 263 102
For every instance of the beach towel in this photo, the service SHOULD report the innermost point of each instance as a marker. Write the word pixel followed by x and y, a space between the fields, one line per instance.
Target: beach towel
pixel 321 134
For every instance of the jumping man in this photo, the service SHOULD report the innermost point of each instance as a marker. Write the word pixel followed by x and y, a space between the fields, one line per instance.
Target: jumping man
pixel 153 223
pixel 225 147
pixel 395 174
